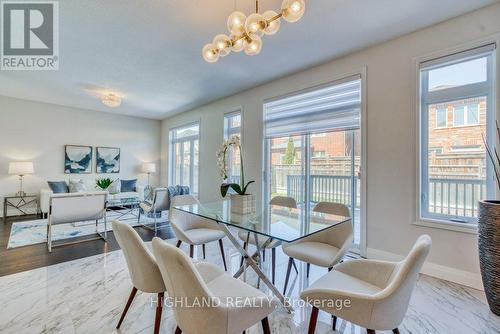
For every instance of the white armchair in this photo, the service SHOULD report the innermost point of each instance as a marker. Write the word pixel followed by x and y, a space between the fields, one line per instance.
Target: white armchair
pixel 144 271
pixel 235 305
pixel 378 292
pixel 65 209
pixel 326 248
pixel 192 229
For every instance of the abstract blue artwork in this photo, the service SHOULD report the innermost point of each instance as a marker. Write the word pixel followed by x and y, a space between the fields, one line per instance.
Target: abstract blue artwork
pixel 107 160
pixel 77 159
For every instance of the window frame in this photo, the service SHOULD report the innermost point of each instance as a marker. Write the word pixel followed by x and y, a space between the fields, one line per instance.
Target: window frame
pixel 424 98
pixel 228 132
pixel 466 116
pixel 172 157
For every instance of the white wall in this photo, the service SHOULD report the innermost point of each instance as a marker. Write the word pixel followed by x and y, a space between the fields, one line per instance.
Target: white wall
pixel 391 138
pixel 33 131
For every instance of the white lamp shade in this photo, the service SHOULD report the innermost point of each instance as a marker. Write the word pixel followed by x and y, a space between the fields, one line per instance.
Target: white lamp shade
pixel 148 168
pixel 21 168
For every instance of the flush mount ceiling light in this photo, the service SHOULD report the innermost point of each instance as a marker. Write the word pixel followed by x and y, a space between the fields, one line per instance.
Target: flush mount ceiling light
pixel 111 100
pixel 246 32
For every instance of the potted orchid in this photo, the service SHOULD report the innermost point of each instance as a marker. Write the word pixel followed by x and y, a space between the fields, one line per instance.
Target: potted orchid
pixel 241 201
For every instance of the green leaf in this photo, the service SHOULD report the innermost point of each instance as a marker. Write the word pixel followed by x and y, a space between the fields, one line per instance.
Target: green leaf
pixel 245 189
pixel 225 187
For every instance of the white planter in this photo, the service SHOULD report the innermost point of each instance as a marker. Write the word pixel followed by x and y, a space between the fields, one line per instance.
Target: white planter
pixel 243 204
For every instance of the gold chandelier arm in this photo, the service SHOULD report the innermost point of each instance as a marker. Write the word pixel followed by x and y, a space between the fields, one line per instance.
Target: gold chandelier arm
pixel 274 18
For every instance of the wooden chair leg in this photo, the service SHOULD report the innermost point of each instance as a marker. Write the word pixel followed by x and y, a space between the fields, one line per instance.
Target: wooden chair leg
pixel 395 331
pixel 308 269
pixel 178 330
pixel 178 244
pixel 245 248
pixel 159 307
pixel 313 321
pixel 334 322
pixel 290 261
pixel 129 301
pixel 370 331
pixel 221 245
pixel 191 251
pixel 203 248
pixel 265 326
pixel 273 264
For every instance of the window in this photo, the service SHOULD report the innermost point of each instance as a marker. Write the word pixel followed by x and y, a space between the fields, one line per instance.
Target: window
pixel 466 115
pixel 453 164
pixel 232 127
pixel 313 147
pixel 184 156
pixel 319 154
pixel 441 117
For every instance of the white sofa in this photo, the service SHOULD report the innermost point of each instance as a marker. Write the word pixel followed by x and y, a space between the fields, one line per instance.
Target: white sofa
pixel 91 188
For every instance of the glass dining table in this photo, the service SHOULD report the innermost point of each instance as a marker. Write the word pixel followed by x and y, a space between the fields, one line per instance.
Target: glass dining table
pixel 270 224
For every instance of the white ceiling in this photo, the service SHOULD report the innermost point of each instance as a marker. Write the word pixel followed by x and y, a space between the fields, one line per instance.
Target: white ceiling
pixel 150 51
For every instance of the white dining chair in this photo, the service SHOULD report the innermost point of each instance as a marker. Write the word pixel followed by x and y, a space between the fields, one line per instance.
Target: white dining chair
pixel 378 292
pixel 249 238
pixel 159 204
pixel 192 229
pixel 324 249
pixel 210 295
pixel 73 208
pixel 142 267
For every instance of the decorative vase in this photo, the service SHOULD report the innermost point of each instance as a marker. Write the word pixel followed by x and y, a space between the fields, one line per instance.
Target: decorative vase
pixel 489 251
pixel 243 204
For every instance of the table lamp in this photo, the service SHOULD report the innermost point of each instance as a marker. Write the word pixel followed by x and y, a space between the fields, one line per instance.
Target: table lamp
pixel 148 168
pixel 21 169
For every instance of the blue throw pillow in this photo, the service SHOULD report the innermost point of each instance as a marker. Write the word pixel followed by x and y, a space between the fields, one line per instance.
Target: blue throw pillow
pixel 128 186
pixel 58 187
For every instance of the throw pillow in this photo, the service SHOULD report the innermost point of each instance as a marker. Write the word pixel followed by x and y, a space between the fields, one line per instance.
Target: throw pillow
pixel 115 187
pixel 58 187
pixel 128 186
pixel 76 186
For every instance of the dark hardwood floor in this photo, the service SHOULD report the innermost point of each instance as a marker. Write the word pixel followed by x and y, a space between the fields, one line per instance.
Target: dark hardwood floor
pixel 35 256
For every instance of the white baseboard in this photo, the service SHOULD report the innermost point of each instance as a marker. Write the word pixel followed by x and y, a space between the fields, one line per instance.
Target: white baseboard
pixel 463 277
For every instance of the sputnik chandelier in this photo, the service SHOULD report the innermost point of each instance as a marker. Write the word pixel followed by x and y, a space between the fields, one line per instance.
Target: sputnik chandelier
pixel 246 32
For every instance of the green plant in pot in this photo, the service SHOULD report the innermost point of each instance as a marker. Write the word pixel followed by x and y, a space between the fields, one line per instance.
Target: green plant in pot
pixel 104 183
pixel 489 235
pixel 241 202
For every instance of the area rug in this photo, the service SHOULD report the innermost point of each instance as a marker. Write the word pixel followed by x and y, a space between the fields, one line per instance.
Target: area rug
pixel 35 231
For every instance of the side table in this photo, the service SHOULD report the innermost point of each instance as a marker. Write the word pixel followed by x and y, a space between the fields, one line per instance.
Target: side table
pixel 21 204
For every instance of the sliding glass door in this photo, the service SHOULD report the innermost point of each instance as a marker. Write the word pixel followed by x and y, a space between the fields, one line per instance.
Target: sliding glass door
pixel 320 167
pixel 313 148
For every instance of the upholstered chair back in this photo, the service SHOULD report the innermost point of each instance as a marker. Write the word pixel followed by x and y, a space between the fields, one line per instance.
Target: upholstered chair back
pixel 396 296
pixel 285 201
pixel 160 200
pixel 340 236
pixel 141 264
pixel 79 207
pixel 184 283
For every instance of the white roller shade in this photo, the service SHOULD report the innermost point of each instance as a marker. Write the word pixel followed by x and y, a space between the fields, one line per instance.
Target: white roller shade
pixel 332 107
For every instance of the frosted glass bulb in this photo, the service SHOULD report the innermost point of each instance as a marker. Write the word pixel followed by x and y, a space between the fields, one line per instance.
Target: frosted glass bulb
pixel 253 48
pixel 223 44
pixel 274 26
pixel 236 23
pixel 255 25
pixel 210 53
pixel 293 10
pixel 239 44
